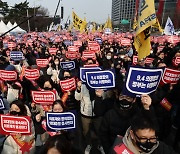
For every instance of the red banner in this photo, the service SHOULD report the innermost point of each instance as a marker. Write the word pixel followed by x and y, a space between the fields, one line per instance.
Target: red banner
pixel 170 76
pixel 135 60
pixel 31 74
pixel 149 60
pixel 73 49
pixel 43 97
pixel 77 43
pixel 122 149
pixel 15 124
pixel 68 85
pixel 8 75
pixel 52 51
pixel 165 104
pixel 42 62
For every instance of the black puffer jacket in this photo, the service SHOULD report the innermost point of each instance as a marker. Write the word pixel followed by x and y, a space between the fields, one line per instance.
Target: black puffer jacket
pixel 116 122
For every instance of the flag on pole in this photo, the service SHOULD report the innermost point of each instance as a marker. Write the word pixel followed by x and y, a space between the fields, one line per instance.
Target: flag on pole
pixel 158 26
pixel 108 23
pixel 169 28
pixel 146 18
pixel 78 23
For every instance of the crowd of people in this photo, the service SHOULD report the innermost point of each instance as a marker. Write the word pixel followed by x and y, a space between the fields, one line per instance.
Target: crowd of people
pixel 105 119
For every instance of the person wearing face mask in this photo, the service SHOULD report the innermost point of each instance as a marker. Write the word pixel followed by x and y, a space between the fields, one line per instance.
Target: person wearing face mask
pixel 117 120
pixel 54 69
pixel 14 142
pixel 141 138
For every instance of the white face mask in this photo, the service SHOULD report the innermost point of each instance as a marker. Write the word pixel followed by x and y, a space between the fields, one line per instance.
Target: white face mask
pixel 108 57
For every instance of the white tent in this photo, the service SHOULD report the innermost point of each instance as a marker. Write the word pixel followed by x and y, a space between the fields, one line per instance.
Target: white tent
pixel 9 25
pixel 3 27
pixel 17 29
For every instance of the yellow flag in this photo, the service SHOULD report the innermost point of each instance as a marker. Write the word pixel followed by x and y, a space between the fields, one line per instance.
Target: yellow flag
pixel 157 26
pixel 108 23
pixel 135 23
pixel 100 29
pixel 94 27
pixel 78 23
pixel 146 18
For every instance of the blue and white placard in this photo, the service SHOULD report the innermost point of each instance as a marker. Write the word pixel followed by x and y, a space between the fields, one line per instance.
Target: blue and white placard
pixel 70 65
pixel 16 55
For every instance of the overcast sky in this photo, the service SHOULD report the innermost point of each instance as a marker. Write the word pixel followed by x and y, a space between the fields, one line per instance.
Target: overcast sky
pixel 94 10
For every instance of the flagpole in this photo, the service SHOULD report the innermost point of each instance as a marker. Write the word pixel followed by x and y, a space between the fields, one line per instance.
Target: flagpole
pixel 163 13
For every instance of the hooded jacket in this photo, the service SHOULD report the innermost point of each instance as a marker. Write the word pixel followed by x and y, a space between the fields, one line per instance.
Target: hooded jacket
pixel 159 148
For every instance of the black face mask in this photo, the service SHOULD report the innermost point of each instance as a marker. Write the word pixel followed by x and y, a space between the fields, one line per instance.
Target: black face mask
pixel 46 88
pixel 15 113
pixel 124 104
pixel 146 147
pixel 67 77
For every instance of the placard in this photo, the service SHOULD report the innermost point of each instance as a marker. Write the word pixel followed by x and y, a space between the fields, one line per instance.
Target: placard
pixel 52 51
pixel 8 75
pixel 43 97
pixel 42 62
pixel 94 48
pixel 88 54
pixel 142 80
pixel 2 107
pixel 77 43
pixel 170 76
pixel 72 55
pixel 68 85
pixel 100 79
pixel 73 49
pixel 11 45
pixel 60 121
pixel 31 74
pixel 177 61
pixel 70 65
pixel 125 42
pixel 16 55
pixel 15 124
pixel 83 71
pixel 165 104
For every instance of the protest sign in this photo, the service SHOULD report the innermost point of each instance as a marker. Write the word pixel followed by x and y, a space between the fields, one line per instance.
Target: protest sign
pixel 2 107
pixel 11 45
pixel 177 61
pixel 67 42
pixel 16 55
pixel 60 121
pixel 52 51
pixel 73 49
pixel 99 40
pixel 83 71
pixel 77 43
pixel 92 65
pixel 94 47
pixel 14 124
pixel 100 79
pixel 42 62
pixel 125 42
pixel 122 149
pixel 165 104
pixel 135 60
pixel 31 74
pixel 8 75
pixel 43 97
pixel 72 55
pixel 142 80
pixel 170 76
pixel 68 85
pixel 70 65
pixel 88 54
pixel 149 60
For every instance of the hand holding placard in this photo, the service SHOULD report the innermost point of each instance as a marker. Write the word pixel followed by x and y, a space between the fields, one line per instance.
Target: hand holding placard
pixel 146 101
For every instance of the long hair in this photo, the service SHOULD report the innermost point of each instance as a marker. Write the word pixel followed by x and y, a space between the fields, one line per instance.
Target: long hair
pixel 21 106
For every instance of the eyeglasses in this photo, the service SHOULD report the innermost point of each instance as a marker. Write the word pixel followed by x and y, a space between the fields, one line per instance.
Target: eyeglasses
pixel 143 140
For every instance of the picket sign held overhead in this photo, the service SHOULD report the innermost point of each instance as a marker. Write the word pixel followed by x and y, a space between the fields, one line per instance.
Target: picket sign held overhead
pixel 69 65
pixel 72 55
pixel 77 43
pixel 14 124
pixel 142 80
pixel 16 55
pixel 100 79
pixel 73 49
pixel 88 54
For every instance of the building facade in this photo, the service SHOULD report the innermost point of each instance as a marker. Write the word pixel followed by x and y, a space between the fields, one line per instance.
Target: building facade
pixel 123 10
